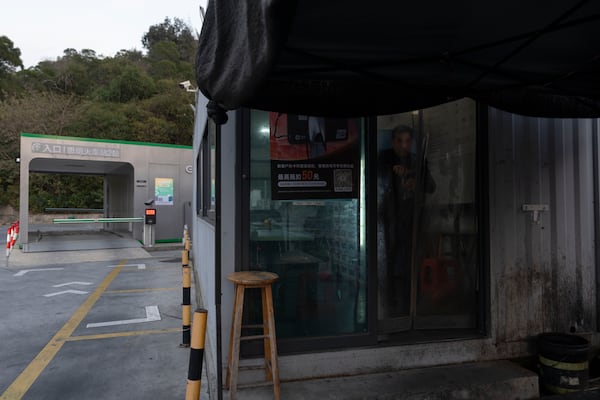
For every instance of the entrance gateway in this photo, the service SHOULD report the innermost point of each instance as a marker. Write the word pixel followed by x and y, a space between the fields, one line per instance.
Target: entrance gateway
pixel 135 174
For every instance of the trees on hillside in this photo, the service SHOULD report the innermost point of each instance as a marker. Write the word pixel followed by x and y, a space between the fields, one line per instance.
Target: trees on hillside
pixel 10 56
pixel 177 32
pixel 10 60
pixel 38 112
pixel 130 96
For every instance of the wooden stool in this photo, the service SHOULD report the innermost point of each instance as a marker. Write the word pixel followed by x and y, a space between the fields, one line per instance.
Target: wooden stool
pixel 247 280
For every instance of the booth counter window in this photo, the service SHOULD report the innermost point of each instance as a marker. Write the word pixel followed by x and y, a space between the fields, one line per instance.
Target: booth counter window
pixel 306 221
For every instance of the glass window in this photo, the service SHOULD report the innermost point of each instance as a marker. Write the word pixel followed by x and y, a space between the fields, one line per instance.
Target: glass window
pixel 206 173
pixel 427 251
pixel 199 183
pixel 306 221
pixel 210 188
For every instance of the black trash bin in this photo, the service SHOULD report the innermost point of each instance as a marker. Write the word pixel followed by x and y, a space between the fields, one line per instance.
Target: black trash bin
pixel 563 362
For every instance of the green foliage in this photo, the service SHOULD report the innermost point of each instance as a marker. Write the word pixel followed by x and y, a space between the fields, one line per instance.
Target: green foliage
pixel 39 112
pixel 172 105
pixel 131 96
pixel 10 56
pixel 74 72
pixel 53 191
pixel 133 55
pixel 165 62
pixel 10 59
pixel 176 32
pixel 102 121
pixel 132 84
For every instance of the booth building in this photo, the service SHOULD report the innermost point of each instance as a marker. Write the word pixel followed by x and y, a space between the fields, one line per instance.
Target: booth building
pixel 502 249
pixel 135 173
pixel 383 166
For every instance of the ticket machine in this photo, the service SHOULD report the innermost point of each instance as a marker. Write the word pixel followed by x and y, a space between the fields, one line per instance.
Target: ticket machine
pixel 149 225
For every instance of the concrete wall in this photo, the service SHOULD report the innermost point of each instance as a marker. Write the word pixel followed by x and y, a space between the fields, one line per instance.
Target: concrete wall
pixel 203 259
pixel 164 164
pixel 203 236
pixel 203 255
pixel 8 215
pixel 228 218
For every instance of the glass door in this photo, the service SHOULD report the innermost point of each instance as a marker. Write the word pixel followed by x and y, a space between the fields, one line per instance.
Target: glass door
pixel 427 230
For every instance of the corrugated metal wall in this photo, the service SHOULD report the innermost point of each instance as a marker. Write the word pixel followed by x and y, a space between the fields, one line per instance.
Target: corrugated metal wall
pixel 542 274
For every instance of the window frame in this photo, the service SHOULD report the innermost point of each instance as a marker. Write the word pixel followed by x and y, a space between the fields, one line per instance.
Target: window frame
pixel 481 193
pixel 304 344
pixel 370 338
pixel 200 178
pixel 205 208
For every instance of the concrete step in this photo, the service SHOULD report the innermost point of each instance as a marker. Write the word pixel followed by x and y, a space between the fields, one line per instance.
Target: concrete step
pixel 589 394
pixel 494 380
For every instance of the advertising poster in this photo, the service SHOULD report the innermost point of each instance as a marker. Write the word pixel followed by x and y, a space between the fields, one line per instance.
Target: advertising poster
pixel 314 157
pixel 163 191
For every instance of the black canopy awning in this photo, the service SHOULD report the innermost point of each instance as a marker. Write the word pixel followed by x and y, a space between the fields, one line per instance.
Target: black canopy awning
pixel 358 58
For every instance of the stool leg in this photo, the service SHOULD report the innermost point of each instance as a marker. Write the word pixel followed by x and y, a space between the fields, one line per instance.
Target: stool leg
pixel 268 300
pixel 267 334
pixel 231 334
pixel 234 347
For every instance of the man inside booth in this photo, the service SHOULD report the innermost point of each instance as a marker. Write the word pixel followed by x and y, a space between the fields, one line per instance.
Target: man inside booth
pixel 401 174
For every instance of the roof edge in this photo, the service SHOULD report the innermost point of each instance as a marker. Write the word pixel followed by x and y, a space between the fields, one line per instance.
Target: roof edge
pixel 82 139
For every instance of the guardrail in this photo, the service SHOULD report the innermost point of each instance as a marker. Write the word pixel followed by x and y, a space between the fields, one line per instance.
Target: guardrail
pixel 96 220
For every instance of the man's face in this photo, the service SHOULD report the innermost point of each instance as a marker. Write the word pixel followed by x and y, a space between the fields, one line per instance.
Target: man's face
pixel 401 143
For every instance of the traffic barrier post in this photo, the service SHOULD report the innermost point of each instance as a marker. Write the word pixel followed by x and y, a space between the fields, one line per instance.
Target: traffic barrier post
pixel 186 303
pixel 185 234
pixel 11 239
pixel 196 355
pixel 8 240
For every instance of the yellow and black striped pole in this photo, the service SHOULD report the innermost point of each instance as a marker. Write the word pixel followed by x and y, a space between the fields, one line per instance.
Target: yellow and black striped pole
pixel 186 304
pixel 192 391
pixel 185 234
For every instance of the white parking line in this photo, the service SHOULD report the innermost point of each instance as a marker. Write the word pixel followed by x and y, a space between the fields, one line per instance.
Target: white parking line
pixel 152 314
pixel 65 292
pixel 139 266
pixel 24 271
pixel 72 283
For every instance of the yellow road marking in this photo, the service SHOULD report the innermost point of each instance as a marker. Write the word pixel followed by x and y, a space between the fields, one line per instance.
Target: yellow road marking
pixel 121 334
pixel 29 375
pixel 140 290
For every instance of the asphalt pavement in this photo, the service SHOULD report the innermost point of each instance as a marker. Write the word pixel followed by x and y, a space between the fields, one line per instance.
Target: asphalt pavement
pixel 97 324
pixel 106 324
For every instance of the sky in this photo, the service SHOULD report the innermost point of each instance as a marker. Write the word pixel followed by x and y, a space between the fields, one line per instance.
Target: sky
pixel 43 29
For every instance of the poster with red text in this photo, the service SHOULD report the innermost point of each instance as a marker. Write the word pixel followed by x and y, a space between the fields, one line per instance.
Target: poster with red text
pixel 314 157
